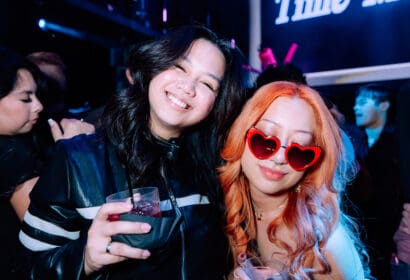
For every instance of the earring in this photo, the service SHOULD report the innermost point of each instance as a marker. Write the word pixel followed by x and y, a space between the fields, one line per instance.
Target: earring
pixel 298 189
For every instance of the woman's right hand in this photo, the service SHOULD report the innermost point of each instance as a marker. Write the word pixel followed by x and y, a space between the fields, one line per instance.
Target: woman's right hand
pixel 69 128
pixel 99 238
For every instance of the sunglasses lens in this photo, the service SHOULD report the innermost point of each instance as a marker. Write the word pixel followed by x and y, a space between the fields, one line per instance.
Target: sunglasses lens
pixel 262 148
pixel 299 159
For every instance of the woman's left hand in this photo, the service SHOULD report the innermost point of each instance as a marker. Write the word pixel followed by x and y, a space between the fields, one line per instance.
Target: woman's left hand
pixel 238 274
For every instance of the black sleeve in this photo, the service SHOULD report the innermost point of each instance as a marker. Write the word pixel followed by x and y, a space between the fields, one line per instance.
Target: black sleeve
pixel 51 226
pixel 18 164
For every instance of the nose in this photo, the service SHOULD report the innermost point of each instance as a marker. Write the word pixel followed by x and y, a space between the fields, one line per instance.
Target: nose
pixel 356 109
pixel 187 86
pixel 38 107
pixel 279 157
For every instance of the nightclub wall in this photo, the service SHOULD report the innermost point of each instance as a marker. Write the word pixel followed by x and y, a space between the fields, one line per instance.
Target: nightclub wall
pixel 338 34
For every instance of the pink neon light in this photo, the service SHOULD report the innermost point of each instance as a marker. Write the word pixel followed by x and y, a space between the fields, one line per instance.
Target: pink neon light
pixel 291 52
pixel 164 15
pixel 233 43
pixel 267 58
pixel 251 69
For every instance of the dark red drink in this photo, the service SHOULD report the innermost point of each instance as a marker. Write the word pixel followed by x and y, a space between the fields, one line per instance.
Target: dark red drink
pixel 142 208
pixel 146 208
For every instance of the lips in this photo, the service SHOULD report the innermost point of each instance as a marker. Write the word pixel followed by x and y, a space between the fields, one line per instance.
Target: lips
pixel 176 101
pixel 271 174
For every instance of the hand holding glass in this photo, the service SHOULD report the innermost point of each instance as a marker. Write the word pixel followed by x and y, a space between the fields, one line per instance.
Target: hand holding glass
pixel 259 269
pixel 146 202
pixel 146 210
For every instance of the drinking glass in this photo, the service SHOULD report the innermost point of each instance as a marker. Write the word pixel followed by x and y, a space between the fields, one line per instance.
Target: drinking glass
pixel 146 201
pixel 257 268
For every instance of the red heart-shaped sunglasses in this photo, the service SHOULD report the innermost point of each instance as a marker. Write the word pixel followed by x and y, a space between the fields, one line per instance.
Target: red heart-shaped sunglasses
pixel 263 147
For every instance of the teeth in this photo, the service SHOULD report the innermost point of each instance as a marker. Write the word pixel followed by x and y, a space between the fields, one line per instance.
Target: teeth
pixel 177 102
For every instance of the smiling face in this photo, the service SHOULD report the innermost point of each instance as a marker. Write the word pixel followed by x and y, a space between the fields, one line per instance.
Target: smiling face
pixel 19 110
pixel 292 121
pixel 184 94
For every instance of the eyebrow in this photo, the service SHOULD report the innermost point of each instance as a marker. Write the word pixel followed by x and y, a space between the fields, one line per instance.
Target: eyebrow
pixel 26 91
pixel 218 79
pixel 295 130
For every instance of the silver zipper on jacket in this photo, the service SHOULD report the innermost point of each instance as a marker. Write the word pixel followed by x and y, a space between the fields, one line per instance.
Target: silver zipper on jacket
pixel 178 212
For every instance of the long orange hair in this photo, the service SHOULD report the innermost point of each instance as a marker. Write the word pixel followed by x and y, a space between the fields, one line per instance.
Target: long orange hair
pixel 311 214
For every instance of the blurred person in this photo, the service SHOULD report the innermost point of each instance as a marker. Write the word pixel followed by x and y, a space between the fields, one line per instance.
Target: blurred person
pixel 382 211
pixel 165 130
pixel 53 92
pixel 55 89
pixel 400 265
pixel 283 72
pixel 280 191
pixel 19 160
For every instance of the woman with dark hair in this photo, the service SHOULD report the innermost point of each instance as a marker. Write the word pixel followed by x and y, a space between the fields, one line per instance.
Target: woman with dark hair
pixel 281 193
pixel 19 166
pixel 166 130
pixel 20 163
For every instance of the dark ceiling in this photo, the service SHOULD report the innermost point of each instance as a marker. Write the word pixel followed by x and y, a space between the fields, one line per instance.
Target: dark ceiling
pixel 107 27
pixel 118 22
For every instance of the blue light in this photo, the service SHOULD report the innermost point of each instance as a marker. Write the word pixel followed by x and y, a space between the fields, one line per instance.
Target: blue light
pixel 42 23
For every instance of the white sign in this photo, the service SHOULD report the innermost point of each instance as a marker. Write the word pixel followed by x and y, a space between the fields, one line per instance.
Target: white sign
pixel 307 9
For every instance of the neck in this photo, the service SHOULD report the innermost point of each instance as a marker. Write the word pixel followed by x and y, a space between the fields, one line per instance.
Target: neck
pixel 269 208
pixel 163 132
pixel 373 133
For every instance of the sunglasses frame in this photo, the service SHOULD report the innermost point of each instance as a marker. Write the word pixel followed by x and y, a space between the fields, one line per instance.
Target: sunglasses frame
pixel 317 151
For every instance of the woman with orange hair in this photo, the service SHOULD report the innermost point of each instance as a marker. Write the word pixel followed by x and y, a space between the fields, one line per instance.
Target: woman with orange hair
pixel 282 196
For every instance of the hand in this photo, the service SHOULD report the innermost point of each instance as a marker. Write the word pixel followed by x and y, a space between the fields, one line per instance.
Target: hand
pixel 99 237
pixel 238 274
pixel 405 220
pixel 69 128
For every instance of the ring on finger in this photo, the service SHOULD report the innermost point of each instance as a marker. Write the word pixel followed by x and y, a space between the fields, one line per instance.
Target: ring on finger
pixel 108 248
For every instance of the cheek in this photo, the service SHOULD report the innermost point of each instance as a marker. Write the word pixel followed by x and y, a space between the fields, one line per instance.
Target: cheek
pixel 249 164
pixel 206 103
pixel 294 177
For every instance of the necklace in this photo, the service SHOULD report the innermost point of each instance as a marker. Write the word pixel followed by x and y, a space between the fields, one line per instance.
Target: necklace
pixel 259 213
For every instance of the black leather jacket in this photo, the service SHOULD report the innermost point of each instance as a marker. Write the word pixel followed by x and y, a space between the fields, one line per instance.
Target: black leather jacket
pixel 83 171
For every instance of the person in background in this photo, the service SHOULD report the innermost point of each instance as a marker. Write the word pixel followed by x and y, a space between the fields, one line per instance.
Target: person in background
pixel 281 157
pixel 382 211
pixel 283 72
pixel 55 90
pixel 53 93
pixel 400 265
pixel 19 160
pixel 166 130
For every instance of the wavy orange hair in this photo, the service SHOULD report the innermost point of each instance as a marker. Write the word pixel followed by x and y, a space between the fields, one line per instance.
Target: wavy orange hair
pixel 311 214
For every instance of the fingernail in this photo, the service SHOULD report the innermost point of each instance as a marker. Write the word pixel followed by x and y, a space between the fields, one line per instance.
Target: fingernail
pixel 146 227
pixel 146 254
pixel 241 257
pixel 50 122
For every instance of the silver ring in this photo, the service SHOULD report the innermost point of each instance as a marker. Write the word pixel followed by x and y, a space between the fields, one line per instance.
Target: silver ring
pixel 108 248
pixel 81 120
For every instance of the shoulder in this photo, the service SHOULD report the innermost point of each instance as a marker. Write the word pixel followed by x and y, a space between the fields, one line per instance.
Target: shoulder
pixel 18 162
pixel 342 256
pixel 79 145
